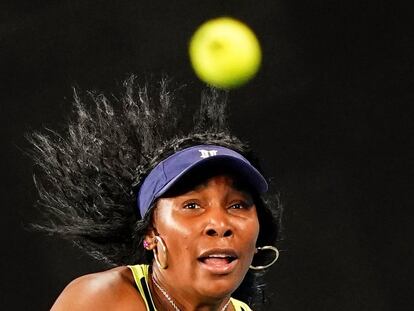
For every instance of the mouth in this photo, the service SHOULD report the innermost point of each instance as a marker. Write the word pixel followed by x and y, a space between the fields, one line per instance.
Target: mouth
pixel 219 261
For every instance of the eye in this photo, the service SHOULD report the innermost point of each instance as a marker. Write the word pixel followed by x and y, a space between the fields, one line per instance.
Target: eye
pixel 239 205
pixel 191 205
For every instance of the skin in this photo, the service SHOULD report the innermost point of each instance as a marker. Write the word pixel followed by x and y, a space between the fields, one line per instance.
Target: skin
pixel 214 215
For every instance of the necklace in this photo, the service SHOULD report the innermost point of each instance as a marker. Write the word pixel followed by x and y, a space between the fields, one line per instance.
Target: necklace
pixel 171 301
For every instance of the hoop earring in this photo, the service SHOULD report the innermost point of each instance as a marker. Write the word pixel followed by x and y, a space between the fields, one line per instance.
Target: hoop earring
pixel 268 247
pixel 164 250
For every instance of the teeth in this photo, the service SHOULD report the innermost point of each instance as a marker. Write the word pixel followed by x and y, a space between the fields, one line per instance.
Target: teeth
pixel 219 256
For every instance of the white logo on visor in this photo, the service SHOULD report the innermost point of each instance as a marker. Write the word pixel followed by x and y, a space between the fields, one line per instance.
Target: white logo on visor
pixel 207 153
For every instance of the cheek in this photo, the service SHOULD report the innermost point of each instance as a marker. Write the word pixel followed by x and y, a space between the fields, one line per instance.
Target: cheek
pixel 254 232
pixel 175 232
pixel 250 233
pixel 172 225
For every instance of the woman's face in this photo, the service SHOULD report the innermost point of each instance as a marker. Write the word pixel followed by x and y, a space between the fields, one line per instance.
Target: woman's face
pixel 210 233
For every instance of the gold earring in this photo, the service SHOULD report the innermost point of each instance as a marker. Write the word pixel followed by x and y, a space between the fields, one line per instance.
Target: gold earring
pixel 164 264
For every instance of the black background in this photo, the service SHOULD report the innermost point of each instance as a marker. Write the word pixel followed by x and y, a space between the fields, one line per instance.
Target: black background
pixel 329 113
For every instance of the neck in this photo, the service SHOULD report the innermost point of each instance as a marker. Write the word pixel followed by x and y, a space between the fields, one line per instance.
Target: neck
pixel 184 300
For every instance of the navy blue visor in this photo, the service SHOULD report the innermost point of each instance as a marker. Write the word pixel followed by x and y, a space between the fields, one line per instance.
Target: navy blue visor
pixel 170 170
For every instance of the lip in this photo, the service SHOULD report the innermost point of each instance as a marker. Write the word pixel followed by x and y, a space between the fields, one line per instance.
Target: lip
pixel 222 267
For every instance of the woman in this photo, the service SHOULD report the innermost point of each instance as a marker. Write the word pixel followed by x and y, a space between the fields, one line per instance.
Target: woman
pixel 181 216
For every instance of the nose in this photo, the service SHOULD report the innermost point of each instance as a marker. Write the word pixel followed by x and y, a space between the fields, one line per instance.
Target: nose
pixel 219 224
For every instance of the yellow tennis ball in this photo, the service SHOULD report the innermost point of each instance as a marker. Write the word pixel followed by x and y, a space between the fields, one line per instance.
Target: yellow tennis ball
pixel 225 53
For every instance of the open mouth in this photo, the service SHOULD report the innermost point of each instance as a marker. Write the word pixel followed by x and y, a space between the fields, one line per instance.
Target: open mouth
pixel 219 261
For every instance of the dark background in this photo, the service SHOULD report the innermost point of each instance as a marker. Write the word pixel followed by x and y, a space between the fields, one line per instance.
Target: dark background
pixel 329 113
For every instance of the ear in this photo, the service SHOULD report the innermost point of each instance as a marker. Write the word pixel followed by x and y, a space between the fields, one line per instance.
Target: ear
pixel 149 239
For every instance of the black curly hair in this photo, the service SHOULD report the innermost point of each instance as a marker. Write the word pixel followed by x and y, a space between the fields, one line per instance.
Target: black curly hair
pixel 88 178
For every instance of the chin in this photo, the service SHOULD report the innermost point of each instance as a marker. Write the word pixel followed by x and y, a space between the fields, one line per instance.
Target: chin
pixel 216 287
pixel 220 280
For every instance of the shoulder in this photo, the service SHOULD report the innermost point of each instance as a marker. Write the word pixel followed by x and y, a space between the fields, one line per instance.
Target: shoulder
pixel 108 290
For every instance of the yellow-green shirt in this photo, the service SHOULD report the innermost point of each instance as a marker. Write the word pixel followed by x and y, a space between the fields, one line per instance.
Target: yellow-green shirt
pixel 141 273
